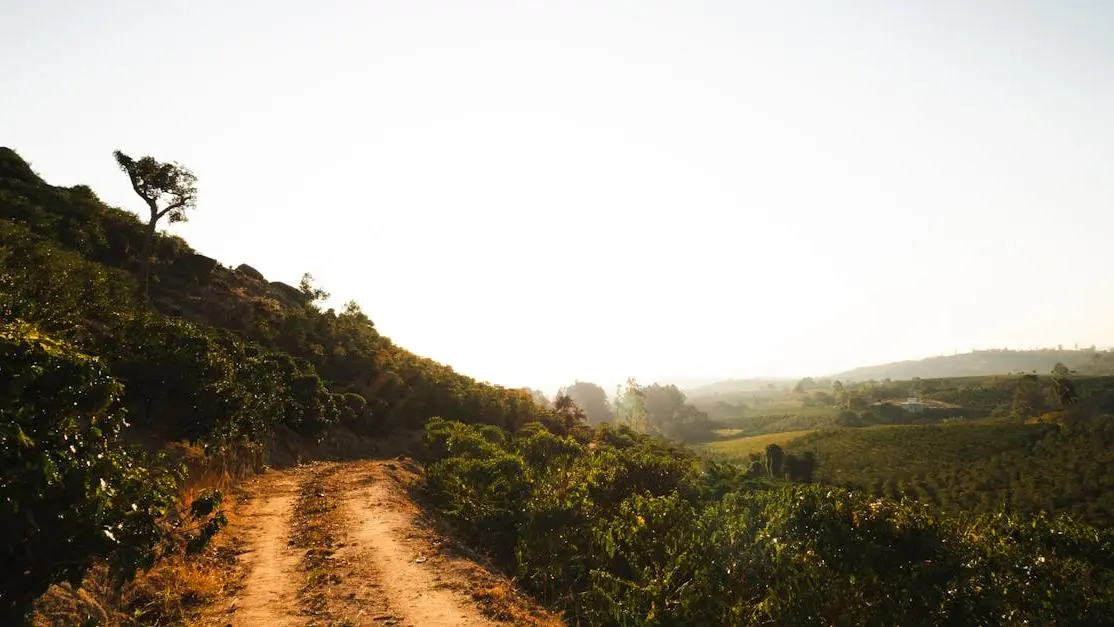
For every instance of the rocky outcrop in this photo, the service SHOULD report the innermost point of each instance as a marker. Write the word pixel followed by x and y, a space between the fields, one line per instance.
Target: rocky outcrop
pixel 247 270
pixel 288 294
pixel 194 267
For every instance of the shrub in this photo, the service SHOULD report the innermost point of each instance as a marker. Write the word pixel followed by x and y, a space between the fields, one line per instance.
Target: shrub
pixel 70 491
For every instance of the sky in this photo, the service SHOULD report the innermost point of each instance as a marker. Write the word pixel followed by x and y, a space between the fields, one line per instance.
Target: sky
pixel 537 192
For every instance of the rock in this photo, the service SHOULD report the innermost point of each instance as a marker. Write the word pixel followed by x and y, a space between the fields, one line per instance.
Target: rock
pixel 288 294
pixel 247 270
pixel 194 267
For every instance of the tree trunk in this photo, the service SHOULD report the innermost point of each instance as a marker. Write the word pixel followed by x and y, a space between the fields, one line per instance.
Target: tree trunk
pixel 145 259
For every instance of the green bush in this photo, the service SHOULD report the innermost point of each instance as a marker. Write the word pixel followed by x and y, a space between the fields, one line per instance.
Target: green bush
pixel 624 530
pixel 70 491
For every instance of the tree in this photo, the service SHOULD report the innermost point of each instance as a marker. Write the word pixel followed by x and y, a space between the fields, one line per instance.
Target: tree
pixel 1063 387
pixel 663 404
pixel 630 406
pixel 1028 400
pixel 592 399
pixel 775 457
pixel 539 397
pixel 804 385
pixel 312 292
pixel 169 189
pixel 570 414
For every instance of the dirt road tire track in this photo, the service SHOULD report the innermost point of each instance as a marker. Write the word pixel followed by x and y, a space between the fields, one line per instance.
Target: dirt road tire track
pixel 416 580
pixel 387 568
pixel 269 595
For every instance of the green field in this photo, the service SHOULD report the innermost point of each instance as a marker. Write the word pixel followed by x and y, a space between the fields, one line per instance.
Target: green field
pixel 740 449
pixel 976 467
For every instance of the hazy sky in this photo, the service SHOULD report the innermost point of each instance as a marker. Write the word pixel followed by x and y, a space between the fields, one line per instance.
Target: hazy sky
pixel 535 192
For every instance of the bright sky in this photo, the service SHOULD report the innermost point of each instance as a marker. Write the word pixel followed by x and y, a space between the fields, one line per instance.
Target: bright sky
pixel 536 192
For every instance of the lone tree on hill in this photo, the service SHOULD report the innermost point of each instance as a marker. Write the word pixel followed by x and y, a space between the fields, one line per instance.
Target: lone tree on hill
pixel 168 189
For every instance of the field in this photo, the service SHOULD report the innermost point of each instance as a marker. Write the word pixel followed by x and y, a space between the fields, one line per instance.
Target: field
pixel 980 445
pixel 975 467
pixel 740 449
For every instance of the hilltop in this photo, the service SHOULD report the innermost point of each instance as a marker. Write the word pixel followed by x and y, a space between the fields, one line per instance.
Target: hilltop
pixel 981 363
pixel 985 363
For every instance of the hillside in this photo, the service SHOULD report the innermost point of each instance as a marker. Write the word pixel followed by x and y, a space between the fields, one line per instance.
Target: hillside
pixel 104 395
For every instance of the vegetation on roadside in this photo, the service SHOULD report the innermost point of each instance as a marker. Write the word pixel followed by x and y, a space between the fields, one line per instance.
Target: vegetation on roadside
pixel 619 528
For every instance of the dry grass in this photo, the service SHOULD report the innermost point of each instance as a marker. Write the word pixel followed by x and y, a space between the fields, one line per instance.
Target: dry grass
pixel 499 600
pixel 178 588
pixel 173 592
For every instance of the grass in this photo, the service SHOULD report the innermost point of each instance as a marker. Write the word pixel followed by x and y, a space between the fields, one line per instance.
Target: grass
pixel 177 588
pixel 740 449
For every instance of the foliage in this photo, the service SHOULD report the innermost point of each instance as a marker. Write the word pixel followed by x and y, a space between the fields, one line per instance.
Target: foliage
pixel 592 399
pixel 617 528
pixel 71 491
pixel 979 467
pixel 168 189
pixel 314 294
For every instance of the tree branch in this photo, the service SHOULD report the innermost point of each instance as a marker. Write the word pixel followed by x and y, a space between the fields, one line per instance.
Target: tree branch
pixel 171 207
pixel 142 193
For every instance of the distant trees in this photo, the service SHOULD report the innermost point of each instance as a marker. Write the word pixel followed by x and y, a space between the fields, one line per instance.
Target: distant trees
pixel 668 412
pixel 1063 388
pixel 569 415
pixel 592 399
pixel 168 189
pixel 804 385
pixel 1028 399
pixel 539 397
pixel 630 407
pixel 775 456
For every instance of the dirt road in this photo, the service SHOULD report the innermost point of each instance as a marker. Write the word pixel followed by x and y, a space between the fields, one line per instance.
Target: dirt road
pixel 344 544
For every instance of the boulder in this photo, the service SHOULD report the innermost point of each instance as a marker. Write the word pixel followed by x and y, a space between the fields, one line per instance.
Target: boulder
pixel 288 294
pixel 194 267
pixel 247 270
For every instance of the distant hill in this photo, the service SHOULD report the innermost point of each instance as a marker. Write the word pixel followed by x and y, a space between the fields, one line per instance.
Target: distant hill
pixel 974 364
pixel 986 362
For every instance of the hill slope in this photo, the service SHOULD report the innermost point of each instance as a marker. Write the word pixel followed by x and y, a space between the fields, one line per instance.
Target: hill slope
pixel 983 363
pixel 217 363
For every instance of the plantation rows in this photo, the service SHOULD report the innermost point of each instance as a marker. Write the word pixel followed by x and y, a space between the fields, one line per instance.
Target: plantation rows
pixel 978 467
